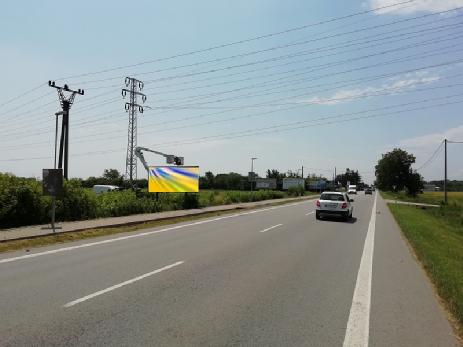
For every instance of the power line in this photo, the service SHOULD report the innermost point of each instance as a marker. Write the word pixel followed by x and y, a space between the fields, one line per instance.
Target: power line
pixel 233 43
pixel 238 42
pixel 107 116
pixel 432 157
pixel 22 94
pixel 385 108
pixel 272 49
pixel 266 130
pixel 25 113
pixel 422 43
pixel 304 80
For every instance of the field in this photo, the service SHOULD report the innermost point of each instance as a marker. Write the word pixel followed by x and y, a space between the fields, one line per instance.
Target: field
pixel 426 197
pixel 436 235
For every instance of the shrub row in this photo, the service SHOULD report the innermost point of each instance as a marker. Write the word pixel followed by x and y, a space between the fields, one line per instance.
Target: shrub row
pixel 22 202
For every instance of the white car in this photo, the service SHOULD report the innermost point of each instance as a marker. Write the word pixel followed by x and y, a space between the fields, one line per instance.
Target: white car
pixel 104 188
pixel 334 204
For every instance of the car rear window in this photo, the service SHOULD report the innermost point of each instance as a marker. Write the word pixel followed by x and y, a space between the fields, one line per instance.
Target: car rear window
pixel 332 197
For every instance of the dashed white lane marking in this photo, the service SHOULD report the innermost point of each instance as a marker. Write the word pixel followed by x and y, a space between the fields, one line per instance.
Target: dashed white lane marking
pixel 358 325
pixel 91 296
pixel 147 233
pixel 311 212
pixel 272 227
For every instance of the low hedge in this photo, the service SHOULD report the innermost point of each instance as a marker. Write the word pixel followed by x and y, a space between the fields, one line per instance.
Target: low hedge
pixel 22 202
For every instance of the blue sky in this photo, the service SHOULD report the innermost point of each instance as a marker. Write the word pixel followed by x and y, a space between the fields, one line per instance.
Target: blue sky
pixel 337 94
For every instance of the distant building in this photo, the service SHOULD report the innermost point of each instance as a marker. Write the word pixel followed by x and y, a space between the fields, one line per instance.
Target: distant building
pixel 430 188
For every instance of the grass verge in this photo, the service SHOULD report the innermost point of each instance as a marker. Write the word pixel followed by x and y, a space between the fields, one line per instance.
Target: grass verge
pixel 427 197
pixel 436 236
pixel 14 245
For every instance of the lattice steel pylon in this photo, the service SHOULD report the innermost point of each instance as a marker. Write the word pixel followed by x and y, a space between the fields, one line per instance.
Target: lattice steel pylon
pixel 134 87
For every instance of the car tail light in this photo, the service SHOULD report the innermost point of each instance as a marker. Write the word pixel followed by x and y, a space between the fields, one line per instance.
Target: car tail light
pixel 344 205
pixel 318 203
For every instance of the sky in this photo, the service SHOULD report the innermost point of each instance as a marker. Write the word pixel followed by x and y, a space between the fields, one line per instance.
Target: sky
pixel 319 84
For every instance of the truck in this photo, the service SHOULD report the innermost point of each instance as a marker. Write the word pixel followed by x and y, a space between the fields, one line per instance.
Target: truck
pixel 351 189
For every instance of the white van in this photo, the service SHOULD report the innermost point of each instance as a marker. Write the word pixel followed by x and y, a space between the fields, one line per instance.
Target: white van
pixel 104 188
pixel 352 189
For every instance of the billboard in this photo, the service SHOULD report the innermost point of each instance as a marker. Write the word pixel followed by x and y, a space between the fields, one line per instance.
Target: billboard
pixel 316 185
pixel 289 182
pixel 173 179
pixel 52 182
pixel 266 183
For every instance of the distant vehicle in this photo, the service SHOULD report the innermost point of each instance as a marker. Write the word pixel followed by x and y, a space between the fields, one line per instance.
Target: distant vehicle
pixel 334 204
pixel 352 189
pixel 368 191
pixel 373 188
pixel 104 188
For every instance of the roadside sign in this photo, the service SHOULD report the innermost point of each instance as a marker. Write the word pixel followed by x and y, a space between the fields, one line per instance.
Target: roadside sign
pixel 52 182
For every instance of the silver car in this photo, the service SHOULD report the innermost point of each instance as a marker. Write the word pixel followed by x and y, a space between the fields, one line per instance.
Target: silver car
pixel 334 204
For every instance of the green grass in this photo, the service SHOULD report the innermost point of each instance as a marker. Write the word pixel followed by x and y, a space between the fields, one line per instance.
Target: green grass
pixel 426 197
pixel 436 235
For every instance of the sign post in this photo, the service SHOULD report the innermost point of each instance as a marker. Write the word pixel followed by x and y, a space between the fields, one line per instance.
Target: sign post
pixel 52 185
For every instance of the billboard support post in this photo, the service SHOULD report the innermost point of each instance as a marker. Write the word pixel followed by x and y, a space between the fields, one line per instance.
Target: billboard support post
pixel 52 185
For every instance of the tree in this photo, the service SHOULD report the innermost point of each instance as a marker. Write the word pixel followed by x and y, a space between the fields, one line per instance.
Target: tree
pixel 207 181
pixel 112 175
pixel 414 184
pixel 351 176
pixel 278 175
pixel 394 172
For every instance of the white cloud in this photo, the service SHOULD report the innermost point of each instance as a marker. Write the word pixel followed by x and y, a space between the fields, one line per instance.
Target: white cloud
pixel 432 140
pixel 396 85
pixel 430 6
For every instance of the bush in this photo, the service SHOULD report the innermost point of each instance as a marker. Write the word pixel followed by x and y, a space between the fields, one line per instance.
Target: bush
pixel 77 203
pixel 296 191
pixel 190 200
pixel 21 201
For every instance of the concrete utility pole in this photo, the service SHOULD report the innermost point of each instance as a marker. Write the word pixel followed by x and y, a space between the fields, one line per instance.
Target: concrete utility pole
pixel 445 171
pixel 66 103
pixel 135 86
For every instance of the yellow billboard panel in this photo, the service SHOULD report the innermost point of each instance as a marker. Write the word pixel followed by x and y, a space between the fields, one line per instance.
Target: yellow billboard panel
pixel 173 179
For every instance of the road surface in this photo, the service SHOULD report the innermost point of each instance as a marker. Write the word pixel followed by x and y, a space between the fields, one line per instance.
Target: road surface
pixel 269 277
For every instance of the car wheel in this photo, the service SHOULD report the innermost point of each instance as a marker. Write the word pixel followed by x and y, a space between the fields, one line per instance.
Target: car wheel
pixel 345 218
pixel 317 215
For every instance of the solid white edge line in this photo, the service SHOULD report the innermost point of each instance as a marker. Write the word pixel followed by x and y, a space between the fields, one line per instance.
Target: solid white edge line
pixel 270 228
pixel 147 233
pixel 109 289
pixel 358 325
pixel 311 212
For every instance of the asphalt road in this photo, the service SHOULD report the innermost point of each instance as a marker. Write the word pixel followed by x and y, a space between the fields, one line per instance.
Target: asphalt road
pixel 269 277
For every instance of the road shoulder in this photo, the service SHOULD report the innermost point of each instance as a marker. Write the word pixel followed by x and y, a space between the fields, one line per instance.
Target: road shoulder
pixel 405 310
